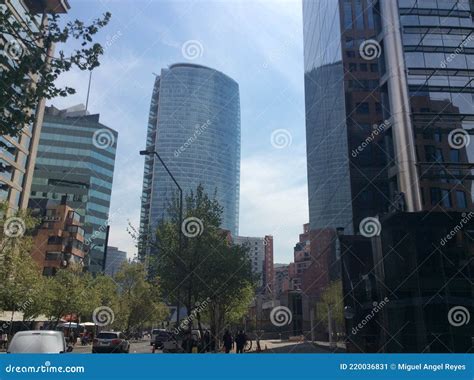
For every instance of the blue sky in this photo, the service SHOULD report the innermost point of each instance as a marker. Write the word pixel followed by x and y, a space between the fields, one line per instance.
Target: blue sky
pixel 257 43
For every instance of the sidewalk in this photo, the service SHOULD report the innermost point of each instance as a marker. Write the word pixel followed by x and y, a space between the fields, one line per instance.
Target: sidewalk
pixel 285 346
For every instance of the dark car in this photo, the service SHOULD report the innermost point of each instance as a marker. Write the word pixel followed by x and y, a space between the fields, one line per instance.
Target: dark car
pixel 162 337
pixel 110 342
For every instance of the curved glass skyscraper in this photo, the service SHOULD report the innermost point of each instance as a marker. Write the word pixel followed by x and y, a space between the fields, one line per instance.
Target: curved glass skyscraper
pixel 194 124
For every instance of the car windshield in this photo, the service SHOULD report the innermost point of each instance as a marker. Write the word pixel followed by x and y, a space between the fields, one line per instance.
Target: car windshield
pixel 37 343
pixel 107 336
pixel 154 332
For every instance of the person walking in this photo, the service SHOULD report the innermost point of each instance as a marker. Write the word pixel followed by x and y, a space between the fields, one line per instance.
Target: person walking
pixel 207 341
pixel 240 341
pixel 4 340
pixel 228 341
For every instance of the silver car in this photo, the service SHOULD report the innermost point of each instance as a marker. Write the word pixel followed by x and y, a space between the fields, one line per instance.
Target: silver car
pixel 110 342
pixel 38 342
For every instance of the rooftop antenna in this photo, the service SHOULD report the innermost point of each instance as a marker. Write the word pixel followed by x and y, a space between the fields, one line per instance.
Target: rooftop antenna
pixel 89 89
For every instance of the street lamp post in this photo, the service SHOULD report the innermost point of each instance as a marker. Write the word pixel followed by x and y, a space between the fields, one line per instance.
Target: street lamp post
pixel 180 221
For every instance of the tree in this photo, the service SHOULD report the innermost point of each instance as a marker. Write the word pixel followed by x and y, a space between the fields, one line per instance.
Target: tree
pixel 138 300
pixel 331 297
pixel 21 279
pixel 68 293
pixel 207 267
pixel 32 68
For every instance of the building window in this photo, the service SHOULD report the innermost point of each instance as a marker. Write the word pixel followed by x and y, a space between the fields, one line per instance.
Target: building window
pixel 435 195
pixel 454 155
pixel 446 198
pixel 48 271
pixel 55 240
pixel 52 256
pixel 363 67
pixel 348 14
pixel 359 15
pixel 362 108
pixel 461 199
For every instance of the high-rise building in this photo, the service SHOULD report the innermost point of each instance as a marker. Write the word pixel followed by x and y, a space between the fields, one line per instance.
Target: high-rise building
pixel 389 113
pixel 59 238
pixel 114 260
pixel 18 153
pixel 194 125
pixel 256 253
pixel 282 280
pixel 76 160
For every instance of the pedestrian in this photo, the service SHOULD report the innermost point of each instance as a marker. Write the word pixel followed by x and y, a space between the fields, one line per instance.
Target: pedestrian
pixel 228 341
pixel 240 341
pixel 187 344
pixel 207 341
pixel 4 340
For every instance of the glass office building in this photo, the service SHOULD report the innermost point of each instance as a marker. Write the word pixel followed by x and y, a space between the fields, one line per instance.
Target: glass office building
pixel 438 49
pixel 194 124
pixel 18 153
pixel 343 109
pixel 389 87
pixel 76 160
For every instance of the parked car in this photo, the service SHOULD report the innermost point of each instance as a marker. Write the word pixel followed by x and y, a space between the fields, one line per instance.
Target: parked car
pixel 154 333
pixel 161 338
pixel 38 342
pixel 110 342
pixel 173 345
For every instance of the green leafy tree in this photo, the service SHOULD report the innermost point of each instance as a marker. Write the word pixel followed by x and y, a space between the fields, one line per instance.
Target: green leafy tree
pixel 138 299
pixel 32 67
pixel 20 277
pixel 331 297
pixel 68 293
pixel 206 267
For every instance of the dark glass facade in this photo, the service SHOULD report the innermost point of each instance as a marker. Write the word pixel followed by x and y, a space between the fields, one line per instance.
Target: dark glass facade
pixel 194 124
pixel 438 44
pixel 72 163
pixel 403 119
pixel 347 177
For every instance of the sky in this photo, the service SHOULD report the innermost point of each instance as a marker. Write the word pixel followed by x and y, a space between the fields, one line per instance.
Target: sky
pixel 257 43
